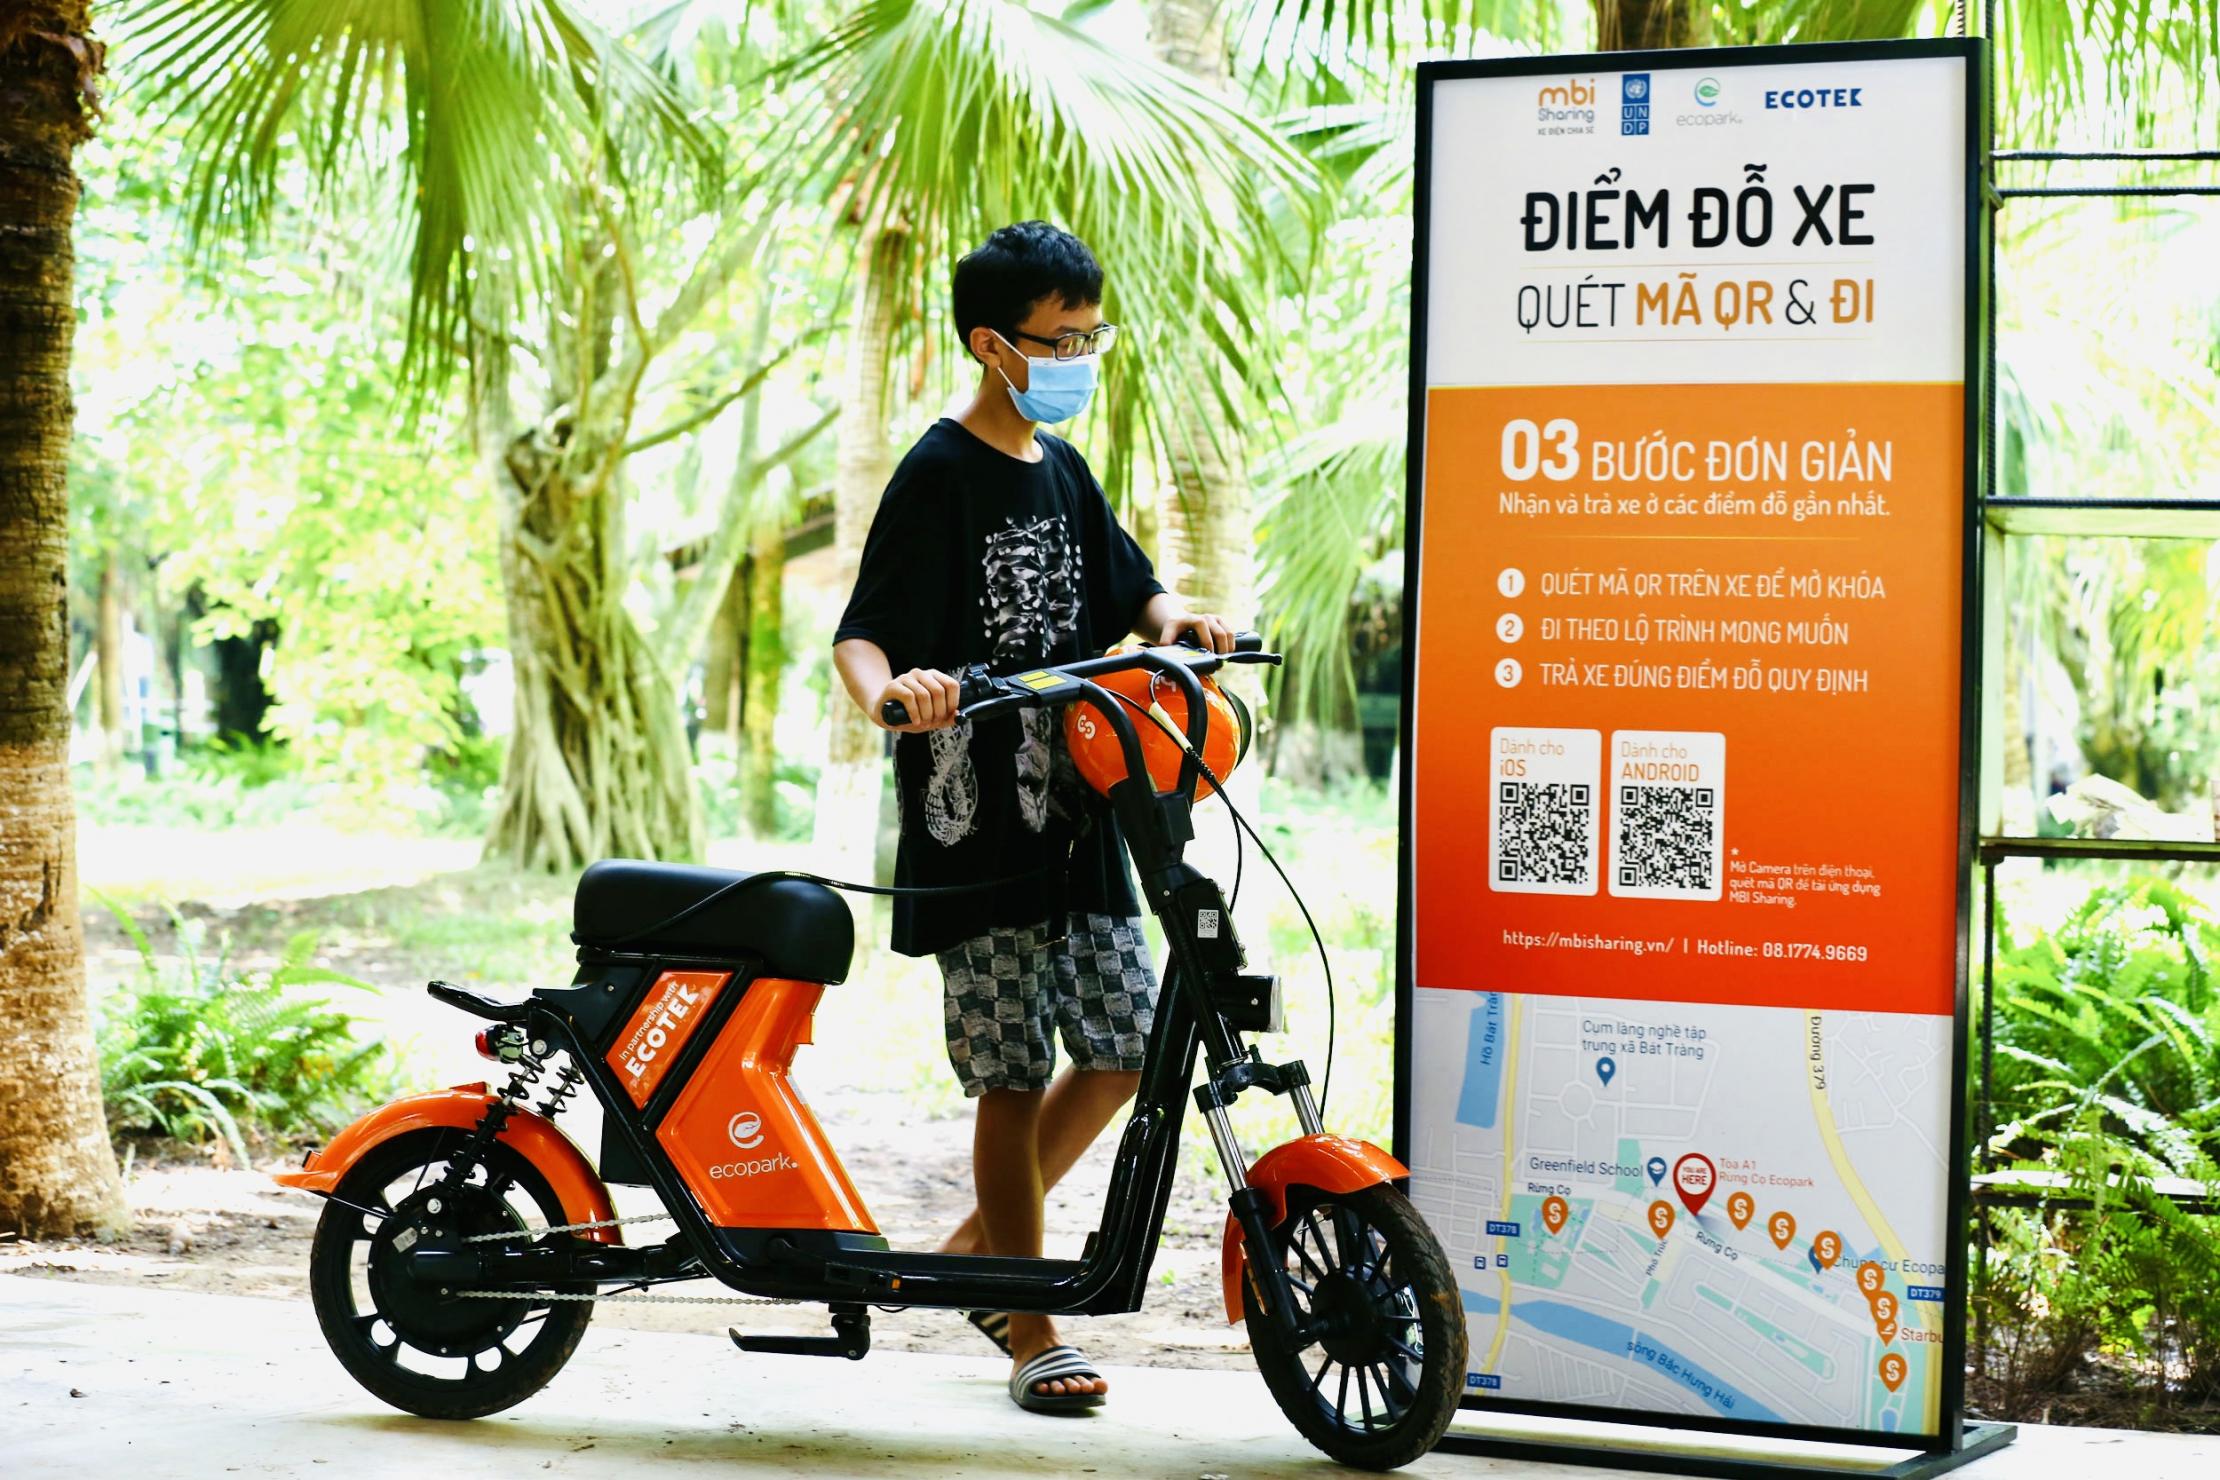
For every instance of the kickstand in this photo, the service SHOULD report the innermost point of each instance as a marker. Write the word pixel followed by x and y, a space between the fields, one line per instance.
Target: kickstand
pixel 851 1338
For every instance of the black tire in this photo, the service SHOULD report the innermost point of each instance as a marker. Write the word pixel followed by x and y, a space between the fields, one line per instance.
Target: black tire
pixel 1366 1266
pixel 533 1337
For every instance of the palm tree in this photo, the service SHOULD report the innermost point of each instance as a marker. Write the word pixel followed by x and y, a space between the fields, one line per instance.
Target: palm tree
pixel 942 119
pixel 537 158
pixel 57 1170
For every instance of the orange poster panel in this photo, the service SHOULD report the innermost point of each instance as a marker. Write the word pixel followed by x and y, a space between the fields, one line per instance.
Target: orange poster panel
pixel 1688 693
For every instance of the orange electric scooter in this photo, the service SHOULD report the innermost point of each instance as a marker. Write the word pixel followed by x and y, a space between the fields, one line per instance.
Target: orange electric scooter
pixel 465 1239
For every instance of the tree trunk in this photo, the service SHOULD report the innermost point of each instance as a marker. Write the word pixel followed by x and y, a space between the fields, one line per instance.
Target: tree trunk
pixel 1649 25
pixel 765 664
pixel 57 1170
pixel 1205 530
pixel 108 666
pixel 849 788
pixel 724 661
pixel 598 763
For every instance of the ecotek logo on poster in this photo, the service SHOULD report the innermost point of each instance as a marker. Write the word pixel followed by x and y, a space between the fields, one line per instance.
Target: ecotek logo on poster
pixel 1567 107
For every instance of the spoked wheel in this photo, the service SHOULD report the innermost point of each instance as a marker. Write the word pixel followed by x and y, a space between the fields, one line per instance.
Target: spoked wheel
pixel 1380 1381
pixel 442 1356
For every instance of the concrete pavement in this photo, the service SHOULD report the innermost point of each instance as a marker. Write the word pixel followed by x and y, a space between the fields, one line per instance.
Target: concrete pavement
pixel 97 1381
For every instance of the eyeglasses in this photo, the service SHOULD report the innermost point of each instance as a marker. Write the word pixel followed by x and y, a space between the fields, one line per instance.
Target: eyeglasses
pixel 1078 342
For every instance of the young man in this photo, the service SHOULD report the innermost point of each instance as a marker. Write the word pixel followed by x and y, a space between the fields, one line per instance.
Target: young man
pixel 994 544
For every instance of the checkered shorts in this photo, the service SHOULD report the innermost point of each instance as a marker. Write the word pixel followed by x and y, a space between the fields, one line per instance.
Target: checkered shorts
pixel 1002 992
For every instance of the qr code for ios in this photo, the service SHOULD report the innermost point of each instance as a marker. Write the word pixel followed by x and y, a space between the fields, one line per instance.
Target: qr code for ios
pixel 1545 832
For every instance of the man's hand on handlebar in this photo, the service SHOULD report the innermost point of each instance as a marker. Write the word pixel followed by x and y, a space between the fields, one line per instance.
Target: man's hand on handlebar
pixel 1213 634
pixel 927 696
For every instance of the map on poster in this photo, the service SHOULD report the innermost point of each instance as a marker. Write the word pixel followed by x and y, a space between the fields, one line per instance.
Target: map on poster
pixel 1686 802
pixel 1679 1208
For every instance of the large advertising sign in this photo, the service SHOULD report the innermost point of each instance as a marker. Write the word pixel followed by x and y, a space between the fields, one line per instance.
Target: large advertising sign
pixel 1686 800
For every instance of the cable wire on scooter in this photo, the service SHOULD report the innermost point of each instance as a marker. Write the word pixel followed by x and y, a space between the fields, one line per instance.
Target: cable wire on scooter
pixel 1241 825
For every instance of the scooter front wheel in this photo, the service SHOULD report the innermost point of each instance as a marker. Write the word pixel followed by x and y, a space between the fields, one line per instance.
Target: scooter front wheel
pixel 424 1350
pixel 1379 1383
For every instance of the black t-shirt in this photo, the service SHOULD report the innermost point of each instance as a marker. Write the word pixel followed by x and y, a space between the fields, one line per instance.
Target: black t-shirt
pixel 978 557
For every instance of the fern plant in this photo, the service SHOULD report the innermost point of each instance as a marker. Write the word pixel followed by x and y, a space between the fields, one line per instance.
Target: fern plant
pixel 2108 1069
pixel 198 1050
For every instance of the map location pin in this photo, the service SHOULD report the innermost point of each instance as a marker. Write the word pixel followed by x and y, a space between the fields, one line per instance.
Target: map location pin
pixel 1887 1330
pixel 1554 1210
pixel 1783 1228
pixel 1661 1218
pixel 1826 1248
pixel 1605 1068
pixel 1656 1169
pixel 1871 1278
pixel 1892 1370
pixel 1884 1309
pixel 1693 1178
pixel 1740 1206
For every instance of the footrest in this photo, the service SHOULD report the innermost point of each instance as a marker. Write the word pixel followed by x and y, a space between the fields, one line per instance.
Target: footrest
pixel 851 1338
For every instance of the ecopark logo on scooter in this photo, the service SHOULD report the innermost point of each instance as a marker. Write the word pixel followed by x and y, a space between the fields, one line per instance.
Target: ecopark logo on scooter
pixel 745 1130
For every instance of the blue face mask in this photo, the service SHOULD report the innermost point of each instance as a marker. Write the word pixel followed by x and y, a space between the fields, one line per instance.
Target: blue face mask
pixel 1055 390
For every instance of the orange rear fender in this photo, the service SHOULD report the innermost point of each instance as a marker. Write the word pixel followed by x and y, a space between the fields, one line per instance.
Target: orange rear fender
pixel 553 1154
pixel 1331 1164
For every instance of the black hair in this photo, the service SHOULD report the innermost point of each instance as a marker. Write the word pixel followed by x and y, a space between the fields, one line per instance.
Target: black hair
pixel 997 285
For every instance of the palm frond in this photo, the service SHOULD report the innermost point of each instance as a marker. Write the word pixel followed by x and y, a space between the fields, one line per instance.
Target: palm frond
pixel 472 115
pixel 944 119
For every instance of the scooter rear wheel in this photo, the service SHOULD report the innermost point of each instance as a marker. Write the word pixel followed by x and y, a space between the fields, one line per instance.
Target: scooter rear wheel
pixel 1380 1385
pixel 440 1356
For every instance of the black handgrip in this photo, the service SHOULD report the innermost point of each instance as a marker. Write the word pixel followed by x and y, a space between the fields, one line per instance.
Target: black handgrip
pixel 1243 642
pixel 973 687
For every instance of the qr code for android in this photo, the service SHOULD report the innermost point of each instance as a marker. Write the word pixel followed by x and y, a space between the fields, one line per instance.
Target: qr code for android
pixel 1667 838
pixel 1545 832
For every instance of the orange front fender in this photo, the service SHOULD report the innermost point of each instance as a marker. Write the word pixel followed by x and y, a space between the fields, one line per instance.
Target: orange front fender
pixel 1332 1164
pixel 554 1155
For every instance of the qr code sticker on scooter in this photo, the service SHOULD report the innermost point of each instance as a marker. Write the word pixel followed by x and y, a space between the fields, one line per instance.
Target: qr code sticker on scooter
pixel 1545 811
pixel 1668 806
pixel 1545 832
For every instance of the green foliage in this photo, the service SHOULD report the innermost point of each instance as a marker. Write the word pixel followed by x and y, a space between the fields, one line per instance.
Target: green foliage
pixel 201 1049
pixel 469 119
pixel 2108 1065
pixel 239 425
pixel 2108 1035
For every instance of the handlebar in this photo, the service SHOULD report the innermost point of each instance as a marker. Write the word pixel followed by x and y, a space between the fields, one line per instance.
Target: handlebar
pixel 980 693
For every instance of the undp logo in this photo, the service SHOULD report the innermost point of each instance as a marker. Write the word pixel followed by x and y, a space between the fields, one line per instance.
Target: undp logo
pixel 746 1130
pixel 1634 103
pixel 1707 92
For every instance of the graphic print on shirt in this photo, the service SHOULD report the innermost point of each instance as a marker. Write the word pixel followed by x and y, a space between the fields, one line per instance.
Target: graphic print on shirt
pixel 1033 767
pixel 951 786
pixel 1032 595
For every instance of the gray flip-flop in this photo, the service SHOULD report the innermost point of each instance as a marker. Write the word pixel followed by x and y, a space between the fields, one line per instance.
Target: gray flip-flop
pixel 1056 1362
pixel 994 1325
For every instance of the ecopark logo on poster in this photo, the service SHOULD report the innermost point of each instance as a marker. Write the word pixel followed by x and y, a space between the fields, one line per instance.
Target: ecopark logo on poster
pixel 1684 817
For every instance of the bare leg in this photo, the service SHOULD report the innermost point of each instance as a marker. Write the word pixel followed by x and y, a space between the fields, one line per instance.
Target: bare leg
pixel 1018 1151
pixel 1073 1111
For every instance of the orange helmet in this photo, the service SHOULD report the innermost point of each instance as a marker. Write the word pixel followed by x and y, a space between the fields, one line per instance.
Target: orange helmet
pixel 1101 761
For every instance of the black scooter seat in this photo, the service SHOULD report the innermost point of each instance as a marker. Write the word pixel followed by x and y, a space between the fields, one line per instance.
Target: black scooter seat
pixel 798 929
